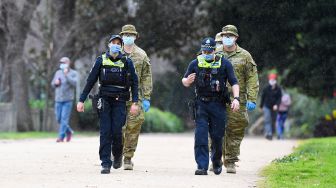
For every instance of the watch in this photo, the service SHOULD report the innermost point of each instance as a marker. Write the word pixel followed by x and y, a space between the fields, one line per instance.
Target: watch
pixel 237 99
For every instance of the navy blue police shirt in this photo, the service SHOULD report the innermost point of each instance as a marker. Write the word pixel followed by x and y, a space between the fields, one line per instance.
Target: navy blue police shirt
pixel 95 72
pixel 226 69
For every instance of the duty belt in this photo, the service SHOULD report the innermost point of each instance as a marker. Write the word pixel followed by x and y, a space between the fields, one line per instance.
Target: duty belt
pixel 209 99
pixel 120 87
pixel 117 96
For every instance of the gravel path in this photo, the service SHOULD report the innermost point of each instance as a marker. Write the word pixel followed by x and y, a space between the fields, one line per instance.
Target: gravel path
pixel 162 160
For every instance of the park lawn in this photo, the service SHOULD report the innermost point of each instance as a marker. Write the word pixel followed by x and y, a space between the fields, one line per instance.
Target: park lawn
pixel 36 135
pixel 312 164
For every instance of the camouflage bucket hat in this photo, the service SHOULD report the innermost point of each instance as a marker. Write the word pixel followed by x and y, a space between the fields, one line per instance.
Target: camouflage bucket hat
pixel 230 29
pixel 219 37
pixel 129 29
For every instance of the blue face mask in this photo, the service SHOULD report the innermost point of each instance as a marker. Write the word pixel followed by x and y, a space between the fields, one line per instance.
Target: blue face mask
pixel 64 66
pixel 228 41
pixel 115 48
pixel 208 57
pixel 128 40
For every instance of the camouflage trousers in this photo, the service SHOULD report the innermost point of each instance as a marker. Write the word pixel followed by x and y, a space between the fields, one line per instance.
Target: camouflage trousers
pixel 234 134
pixel 131 130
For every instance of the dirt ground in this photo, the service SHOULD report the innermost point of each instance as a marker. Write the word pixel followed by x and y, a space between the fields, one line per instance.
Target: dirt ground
pixel 161 160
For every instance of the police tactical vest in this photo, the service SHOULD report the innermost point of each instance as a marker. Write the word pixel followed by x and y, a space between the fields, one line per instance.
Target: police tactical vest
pixel 210 77
pixel 202 63
pixel 114 73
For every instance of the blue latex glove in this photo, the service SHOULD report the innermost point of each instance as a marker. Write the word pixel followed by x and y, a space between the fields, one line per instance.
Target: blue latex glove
pixel 250 106
pixel 145 105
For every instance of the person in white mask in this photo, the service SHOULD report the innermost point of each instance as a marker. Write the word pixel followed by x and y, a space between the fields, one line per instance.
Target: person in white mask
pixel 64 82
pixel 247 74
pixel 219 42
pixel 131 130
pixel 270 101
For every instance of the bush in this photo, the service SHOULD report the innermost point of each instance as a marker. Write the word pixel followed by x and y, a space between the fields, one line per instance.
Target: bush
pixel 37 104
pixel 160 121
pixel 306 113
pixel 88 120
pixel 326 126
pixel 155 120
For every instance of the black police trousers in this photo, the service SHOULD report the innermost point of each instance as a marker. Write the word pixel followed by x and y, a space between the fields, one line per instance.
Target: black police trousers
pixel 112 117
pixel 210 118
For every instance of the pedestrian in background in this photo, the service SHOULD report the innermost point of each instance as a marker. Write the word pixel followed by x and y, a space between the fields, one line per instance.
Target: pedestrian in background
pixel 282 114
pixel 270 101
pixel 64 82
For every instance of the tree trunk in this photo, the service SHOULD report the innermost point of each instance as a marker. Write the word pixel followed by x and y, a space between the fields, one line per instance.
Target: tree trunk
pixel 18 24
pixel 4 67
pixel 20 98
pixel 60 14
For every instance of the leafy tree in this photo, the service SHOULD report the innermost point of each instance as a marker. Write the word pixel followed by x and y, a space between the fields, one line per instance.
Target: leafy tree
pixel 172 30
pixel 293 36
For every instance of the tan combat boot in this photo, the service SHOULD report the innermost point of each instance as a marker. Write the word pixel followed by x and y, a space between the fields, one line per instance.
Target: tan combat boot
pixel 128 164
pixel 225 163
pixel 230 168
pixel 211 167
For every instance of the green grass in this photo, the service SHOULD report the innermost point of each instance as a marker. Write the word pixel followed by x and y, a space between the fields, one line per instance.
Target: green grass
pixel 313 164
pixel 36 135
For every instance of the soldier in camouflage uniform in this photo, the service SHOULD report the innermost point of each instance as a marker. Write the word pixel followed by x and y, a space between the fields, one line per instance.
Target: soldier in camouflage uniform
pixel 246 71
pixel 219 42
pixel 142 65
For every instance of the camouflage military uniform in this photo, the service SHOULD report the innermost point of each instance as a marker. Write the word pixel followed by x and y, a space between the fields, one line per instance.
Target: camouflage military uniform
pixel 219 43
pixel 246 72
pixel 133 123
pixel 142 66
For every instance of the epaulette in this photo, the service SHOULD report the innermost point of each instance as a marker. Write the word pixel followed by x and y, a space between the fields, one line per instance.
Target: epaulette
pixel 217 57
pixel 124 58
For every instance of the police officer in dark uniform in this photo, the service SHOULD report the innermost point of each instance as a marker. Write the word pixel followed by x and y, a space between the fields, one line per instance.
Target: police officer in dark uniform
pixel 116 74
pixel 210 73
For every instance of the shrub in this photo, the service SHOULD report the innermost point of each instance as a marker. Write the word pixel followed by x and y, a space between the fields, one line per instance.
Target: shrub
pixel 160 121
pixel 326 126
pixel 88 120
pixel 37 104
pixel 306 113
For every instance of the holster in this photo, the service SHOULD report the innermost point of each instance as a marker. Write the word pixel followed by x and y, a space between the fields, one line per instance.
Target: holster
pixel 225 96
pixel 94 102
pixel 192 109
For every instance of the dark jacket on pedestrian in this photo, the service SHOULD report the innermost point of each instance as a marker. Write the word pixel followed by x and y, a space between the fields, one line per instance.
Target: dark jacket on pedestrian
pixel 270 97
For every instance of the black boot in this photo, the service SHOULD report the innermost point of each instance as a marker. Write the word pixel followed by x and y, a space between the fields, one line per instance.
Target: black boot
pixel 117 162
pixel 217 170
pixel 269 137
pixel 201 172
pixel 217 167
pixel 105 170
